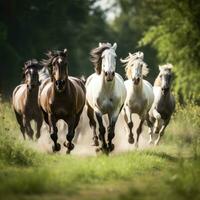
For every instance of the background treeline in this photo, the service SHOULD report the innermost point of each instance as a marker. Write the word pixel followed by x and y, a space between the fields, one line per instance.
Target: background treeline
pixel 167 31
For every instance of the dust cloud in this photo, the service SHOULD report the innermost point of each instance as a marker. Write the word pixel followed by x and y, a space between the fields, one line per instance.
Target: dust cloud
pixel 83 141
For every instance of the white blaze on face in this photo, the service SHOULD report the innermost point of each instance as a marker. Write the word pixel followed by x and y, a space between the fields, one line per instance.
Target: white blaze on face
pixel 137 69
pixel 109 60
pixel 59 60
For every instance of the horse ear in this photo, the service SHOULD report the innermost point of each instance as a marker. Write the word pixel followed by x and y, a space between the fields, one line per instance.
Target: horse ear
pixel 160 67
pixel 114 46
pixel 129 54
pixel 49 53
pixel 170 66
pixel 65 52
pixel 100 44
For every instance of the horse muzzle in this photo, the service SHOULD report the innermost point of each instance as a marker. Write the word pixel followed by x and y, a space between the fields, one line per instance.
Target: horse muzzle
pixel 136 80
pixel 165 90
pixel 60 85
pixel 109 76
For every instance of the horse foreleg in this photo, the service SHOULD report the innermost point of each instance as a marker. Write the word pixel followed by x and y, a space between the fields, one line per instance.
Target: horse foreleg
pixel 72 124
pixel 53 132
pixel 150 131
pixel 139 131
pixel 20 122
pixel 157 116
pixel 102 132
pixel 92 122
pixel 128 120
pixel 39 125
pixel 161 133
pixel 27 125
pixel 111 131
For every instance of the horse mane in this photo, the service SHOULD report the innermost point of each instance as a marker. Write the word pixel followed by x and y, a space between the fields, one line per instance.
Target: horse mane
pixel 129 61
pixel 96 56
pixel 32 63
pixel 167 66
pixel 47 63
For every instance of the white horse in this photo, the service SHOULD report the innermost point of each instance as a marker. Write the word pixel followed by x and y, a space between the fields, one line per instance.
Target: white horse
pixel 163 105
pixel 139 92
pixel 105 93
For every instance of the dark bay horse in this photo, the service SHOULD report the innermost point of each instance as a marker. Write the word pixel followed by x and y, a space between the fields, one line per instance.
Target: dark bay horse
pixel 163 105
pixel 61 98
pixel 24 99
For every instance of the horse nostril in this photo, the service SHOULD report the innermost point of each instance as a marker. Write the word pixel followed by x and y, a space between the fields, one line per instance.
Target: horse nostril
pixel 106 73
pixel 57 82
pixel 113 73
pixel 62 82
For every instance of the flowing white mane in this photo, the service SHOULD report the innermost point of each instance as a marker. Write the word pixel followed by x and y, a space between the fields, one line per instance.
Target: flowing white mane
pixel 43 74
pixel 167 66
pixel 132 60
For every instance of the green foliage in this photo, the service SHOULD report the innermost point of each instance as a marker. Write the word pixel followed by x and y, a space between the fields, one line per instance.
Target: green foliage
pixel 30 28
pixel 175 35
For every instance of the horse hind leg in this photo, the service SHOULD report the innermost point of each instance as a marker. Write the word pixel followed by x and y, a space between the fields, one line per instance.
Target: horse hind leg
pixel 92 122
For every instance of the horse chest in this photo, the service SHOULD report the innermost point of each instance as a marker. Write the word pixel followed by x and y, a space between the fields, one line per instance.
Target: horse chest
pixel 137 105
pixel 106 104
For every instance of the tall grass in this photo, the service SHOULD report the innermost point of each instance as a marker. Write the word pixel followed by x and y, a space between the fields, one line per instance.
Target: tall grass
pixel 12 149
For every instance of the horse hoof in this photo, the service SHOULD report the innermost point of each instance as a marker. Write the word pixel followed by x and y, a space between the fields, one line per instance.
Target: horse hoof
pixel 111 147
pixel 69 145
pixel 56 147
pixel 96 143
pixel 130 140
pixel 68 151
pixel 37 137
pixel 98 150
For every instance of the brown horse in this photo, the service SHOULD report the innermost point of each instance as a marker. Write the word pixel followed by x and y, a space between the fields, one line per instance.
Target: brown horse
pixel 61 98
pixel 25 97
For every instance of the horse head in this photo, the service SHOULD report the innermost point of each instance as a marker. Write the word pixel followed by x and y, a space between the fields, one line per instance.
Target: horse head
pixel 135 68
pixel 58 65
pixel 104 60
pixel 165 78
pixel 30 73
pixel 109 62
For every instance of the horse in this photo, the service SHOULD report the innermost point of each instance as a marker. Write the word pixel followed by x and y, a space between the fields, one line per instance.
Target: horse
pixel 105 94
pixel 24 100
pixel 139 93
pixel 163 105
pixel 61 98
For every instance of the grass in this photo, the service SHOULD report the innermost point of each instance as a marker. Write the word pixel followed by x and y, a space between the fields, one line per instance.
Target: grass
pixel 168 171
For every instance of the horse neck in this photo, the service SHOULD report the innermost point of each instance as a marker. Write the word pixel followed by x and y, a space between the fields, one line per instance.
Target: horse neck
pixel 106 85
pixel 33 93
pixel 65 91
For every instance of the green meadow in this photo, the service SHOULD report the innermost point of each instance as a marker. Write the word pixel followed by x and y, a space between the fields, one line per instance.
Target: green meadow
pixel 169 171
